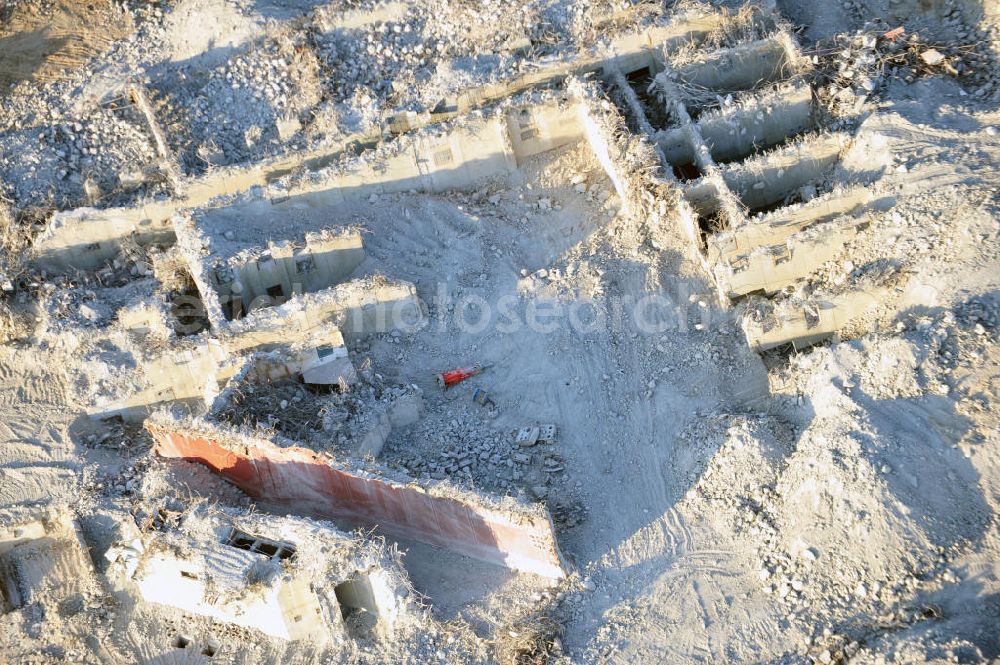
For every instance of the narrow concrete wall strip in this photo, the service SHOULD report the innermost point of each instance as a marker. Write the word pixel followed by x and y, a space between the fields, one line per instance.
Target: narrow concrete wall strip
pixel 520 537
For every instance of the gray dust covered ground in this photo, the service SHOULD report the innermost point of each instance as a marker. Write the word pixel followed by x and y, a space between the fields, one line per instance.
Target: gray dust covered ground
pixel 712 502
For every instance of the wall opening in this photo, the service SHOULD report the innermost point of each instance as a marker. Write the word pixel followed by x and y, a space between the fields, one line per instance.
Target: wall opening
pixel 357 604
pixel 266 546
pixel 655 109
pixel 687 172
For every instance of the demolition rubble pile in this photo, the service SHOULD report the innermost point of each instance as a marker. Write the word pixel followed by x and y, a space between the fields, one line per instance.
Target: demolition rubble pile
pixel 498 332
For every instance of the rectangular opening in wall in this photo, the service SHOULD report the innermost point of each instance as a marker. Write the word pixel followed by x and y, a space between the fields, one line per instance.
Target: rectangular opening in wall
pixel 655 109
pixel 357 604
pixel 266 546
pixel 687 172
pixel 304 265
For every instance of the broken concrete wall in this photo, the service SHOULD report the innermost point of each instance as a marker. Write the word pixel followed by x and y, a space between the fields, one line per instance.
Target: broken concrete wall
pixel 358 307
pixel 181 582
pixel 803 323
pixel 742 67
pixel 630 162
pixel 279 575
pixel 60 247
pixel 86 238
pixel 401 412
pixel 324 364
pixel 770 177
pixel 146 319
pixel 193 244
pixel 452 156
pixel 770 268
pixel 272 274
pixel 515 535
pixel 777 226
pixel 188 375
pixel 757 124
pixel 540 128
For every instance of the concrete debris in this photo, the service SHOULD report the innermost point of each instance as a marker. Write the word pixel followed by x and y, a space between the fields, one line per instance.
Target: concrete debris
pixel 266 573
pixel 932 57
pixel 731 266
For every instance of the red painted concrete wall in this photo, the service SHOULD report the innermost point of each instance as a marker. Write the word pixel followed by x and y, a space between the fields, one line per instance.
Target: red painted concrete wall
pixel 311 482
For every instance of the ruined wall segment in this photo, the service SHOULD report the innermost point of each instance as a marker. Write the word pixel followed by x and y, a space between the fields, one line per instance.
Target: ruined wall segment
pixel 515 535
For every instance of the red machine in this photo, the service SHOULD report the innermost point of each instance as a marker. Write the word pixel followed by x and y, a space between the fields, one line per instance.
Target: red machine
pixel 453 376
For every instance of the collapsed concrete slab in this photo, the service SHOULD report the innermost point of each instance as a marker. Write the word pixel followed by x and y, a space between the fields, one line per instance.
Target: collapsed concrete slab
pixel 287 577
pixel 501 531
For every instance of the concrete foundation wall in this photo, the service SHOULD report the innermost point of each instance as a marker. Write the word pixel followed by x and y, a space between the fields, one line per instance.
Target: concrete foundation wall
pixel 780 225
pixel 324 260
pixel 741 67
pixel 455 158
pixel 189 375
pixel 600 144
pixel 771 177
pixel 810 323
pixel 313 482
pixel 182 583
pixel 534 130
pixel 86 238
pixel 767 121
pixel 66 246
pixel 358 307
pixel 771 268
